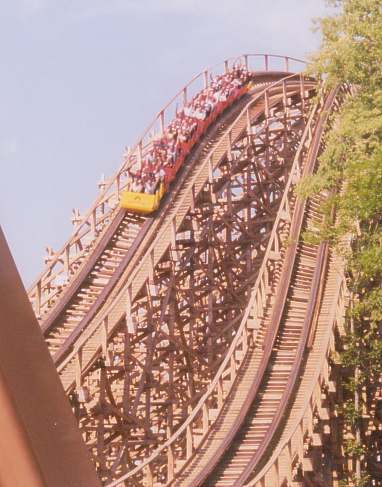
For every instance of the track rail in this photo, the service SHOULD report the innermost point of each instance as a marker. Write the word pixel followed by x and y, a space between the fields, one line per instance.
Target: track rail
pixel 275 377
pixel 83 297
pixel 64 265
pixel 248 112
pixel 290 325
pixel 80 347
pixel 291 447
pixel 113 267
pixel 88 291
pixel 236 464
pixel 229 368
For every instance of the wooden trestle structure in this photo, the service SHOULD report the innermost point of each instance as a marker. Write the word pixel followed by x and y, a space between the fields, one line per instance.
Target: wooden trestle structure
pixel 193 344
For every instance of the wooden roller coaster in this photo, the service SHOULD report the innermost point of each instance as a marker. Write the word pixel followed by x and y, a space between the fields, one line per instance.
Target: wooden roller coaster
pixel 193 342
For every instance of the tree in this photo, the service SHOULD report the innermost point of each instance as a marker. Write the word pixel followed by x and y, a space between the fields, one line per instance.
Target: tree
pixel 351 165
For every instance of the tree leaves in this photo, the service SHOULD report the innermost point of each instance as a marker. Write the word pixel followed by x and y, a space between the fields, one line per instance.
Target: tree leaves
pixel 351 167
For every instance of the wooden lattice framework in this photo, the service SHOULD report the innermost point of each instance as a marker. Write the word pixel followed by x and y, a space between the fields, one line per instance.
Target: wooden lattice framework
pixel 164 352
pixel 149 366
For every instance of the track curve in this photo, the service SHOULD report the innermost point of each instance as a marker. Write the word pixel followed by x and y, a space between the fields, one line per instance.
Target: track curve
pixel 277 356
pixel 164 327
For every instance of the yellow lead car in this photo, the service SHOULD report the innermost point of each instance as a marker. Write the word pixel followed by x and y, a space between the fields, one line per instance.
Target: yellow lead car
pixel 141 202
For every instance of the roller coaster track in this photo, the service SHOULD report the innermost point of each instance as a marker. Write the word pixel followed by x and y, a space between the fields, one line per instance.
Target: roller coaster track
pixel 181 338
pixel 267 378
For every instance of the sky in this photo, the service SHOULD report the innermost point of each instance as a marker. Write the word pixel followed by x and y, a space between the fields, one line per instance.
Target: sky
pixel 81 79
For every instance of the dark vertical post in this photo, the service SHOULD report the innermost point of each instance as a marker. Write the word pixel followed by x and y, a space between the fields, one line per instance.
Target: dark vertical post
pixel 40 443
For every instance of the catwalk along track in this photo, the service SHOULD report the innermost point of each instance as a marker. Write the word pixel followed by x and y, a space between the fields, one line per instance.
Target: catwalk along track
pixel 193 342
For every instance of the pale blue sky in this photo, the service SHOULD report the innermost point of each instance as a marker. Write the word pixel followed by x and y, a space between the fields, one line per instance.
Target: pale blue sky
pixel 80 79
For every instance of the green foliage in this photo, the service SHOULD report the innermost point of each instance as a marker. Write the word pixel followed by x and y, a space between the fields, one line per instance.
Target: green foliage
pixel 354 449
pixel 352 481
pixel 351 171
pixel 350 414
pixel 351 49
pixel 366 261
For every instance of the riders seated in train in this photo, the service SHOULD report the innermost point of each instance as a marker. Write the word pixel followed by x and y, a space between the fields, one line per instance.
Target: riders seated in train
pixel 150 184
pixel 150 158
pixel 136 184
pixel 160 174
pixel 163 158
pixel 170 160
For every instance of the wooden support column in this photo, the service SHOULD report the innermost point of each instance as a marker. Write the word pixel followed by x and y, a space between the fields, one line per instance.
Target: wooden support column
pixel 266 62
pixel 229 152
pixel 246 61
pixel 170 408
pixel 149 476
pixel 101 422
pixel 38 300
pixel 302 92
pixel 276 472
pixel 205 418
pixel 104 333
pixel 79 368
pixel 220 393
pixel 130 322
pixel 189 440
pixel 118 186
pixel 170 460
pixel 67 260
pixel 127 382
pixel 205 74
pixel 249 126
pixel 93 222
